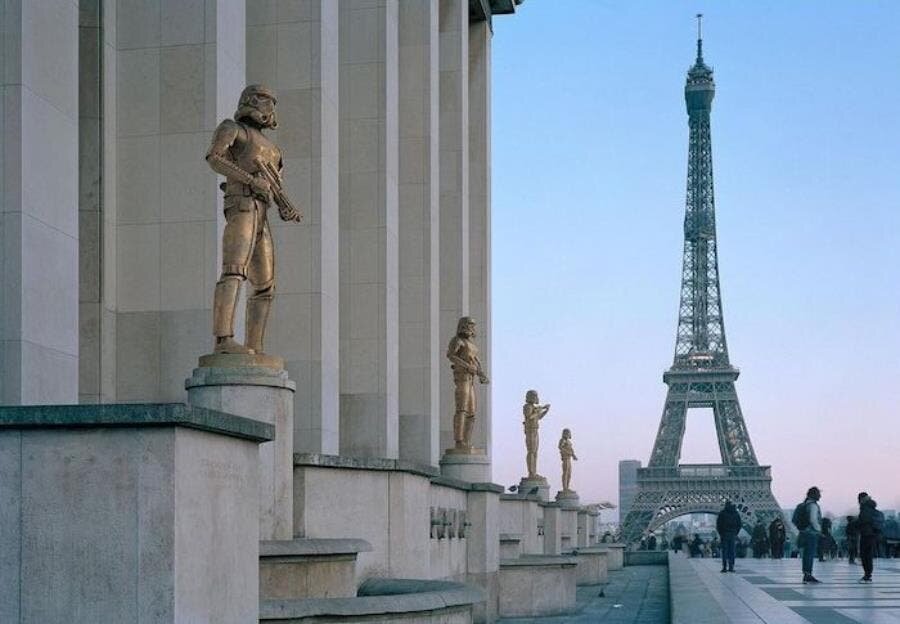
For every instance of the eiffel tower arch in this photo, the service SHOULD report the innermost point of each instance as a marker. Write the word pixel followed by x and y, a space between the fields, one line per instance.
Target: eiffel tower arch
pixel 701 375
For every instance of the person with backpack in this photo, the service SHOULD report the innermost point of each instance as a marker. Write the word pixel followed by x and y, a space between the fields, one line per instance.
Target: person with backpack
pixel 728 524
pixel 808 520
pixel 870 525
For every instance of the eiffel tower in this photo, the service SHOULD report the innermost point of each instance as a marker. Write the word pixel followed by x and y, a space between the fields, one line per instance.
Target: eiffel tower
pixel 701 375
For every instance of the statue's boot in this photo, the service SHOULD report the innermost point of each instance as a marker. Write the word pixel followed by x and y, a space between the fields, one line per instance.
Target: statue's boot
pixel 258 307
pixel 224 305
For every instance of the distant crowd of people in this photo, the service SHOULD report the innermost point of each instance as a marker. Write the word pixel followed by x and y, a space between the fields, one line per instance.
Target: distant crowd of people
pixel 865 536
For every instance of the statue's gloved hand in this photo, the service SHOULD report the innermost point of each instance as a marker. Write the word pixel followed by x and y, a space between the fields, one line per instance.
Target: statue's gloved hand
pixel 290 214
pixel 261 187
pixel 483 378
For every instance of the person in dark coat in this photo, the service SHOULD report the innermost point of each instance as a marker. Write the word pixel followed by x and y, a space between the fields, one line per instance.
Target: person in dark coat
pixel 651 542
pixel 869 529
pixel 777 535
pixel 696 546
pixel 728 525
pixel 760 540
pixel 852 539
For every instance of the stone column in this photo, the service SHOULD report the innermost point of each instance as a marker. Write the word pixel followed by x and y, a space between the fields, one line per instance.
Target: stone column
pixel 368 229
pixel 180 70
pixel 419 337
pixel 479 140
pixel 39 225
pixel 267 395
pixel 553 529
pixel 293 48
pixel 583 529
pixel 483 548
pixel 90 213
pixel 454 193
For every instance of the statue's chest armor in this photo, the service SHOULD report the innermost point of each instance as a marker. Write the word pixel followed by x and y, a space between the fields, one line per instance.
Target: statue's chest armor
pixel 256 148
pixel 469 351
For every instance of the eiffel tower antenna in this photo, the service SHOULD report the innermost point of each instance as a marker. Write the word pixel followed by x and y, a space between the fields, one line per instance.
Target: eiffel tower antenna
pixel 701 375
pixel 700 36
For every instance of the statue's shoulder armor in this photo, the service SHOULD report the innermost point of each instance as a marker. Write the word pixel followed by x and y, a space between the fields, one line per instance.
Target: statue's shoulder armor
pixel 231 130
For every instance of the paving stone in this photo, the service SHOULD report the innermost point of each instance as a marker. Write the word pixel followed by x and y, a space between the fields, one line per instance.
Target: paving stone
pixel 766 591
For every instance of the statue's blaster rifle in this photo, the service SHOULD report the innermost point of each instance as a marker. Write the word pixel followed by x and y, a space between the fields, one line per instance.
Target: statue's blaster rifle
pixel 286 209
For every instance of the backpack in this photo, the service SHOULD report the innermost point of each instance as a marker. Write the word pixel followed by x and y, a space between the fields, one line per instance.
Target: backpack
pixel 878 521
pixel 801 516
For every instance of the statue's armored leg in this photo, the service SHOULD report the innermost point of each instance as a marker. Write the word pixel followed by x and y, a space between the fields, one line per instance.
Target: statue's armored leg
pixel 224 304
pixel 467 430
pixel 258 307
pixel 238 241
pixel 261 273
pixel 459 420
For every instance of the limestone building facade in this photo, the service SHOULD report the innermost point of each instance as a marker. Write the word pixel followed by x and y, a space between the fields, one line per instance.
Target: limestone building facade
pixel 111 218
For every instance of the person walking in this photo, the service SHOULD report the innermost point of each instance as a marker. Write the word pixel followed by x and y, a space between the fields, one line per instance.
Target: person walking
pixel 760 540
pixel 777 535
pixel 728 525
pixel 852 531
pixel 870 524
pixel 808 520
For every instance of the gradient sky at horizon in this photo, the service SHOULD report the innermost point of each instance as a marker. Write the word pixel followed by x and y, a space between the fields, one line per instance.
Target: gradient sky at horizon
pixel 589 165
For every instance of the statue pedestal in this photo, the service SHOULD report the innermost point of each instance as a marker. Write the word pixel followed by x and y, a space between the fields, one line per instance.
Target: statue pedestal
pixel 236 384
pixel 527 487
pixel 470 465
pixel 568 499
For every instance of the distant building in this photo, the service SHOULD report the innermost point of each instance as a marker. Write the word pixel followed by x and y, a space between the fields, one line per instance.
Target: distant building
pixel 627 484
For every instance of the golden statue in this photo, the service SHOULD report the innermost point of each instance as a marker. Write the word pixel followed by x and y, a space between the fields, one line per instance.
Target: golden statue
pixel 463 354
pixel 252 166
pixel 533 412
pixel 566 454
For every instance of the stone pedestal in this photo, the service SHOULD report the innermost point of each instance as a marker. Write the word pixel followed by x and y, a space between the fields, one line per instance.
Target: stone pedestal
pixel 552 529
pixel 235 384
pixel 472 465
pixel 583 538
pixel 568 499
pixel 129 513
pixel 527 486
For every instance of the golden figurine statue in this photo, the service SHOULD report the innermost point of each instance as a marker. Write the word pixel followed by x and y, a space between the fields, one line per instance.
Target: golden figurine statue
pixel 566 454
pixel 533 413
pixel 463 354
pixel 252 166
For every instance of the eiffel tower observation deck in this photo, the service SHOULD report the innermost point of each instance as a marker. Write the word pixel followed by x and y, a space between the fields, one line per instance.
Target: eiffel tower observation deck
pixel 701 375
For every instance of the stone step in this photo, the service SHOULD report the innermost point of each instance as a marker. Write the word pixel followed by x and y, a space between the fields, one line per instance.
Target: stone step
pixel 399 601
pixel 309 568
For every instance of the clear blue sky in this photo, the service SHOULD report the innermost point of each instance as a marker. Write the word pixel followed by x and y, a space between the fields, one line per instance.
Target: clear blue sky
pixel 589 165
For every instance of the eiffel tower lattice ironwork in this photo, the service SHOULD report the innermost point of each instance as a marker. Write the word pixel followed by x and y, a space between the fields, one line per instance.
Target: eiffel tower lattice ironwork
pixel 701 375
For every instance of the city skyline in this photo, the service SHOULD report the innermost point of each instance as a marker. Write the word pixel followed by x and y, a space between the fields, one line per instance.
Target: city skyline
pixel 590 146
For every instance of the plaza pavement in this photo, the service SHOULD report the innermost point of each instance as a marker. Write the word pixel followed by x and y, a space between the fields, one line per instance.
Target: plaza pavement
pixel 771 592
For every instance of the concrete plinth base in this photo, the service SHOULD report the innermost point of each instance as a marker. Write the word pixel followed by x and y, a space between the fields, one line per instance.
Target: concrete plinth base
pixel 241 360
pixel 568 499
pixel 534 586
pixel 470 465
pixel 616 556
pixel 537 486
pixel 593 566
pixel 264 394
pixel 128 513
